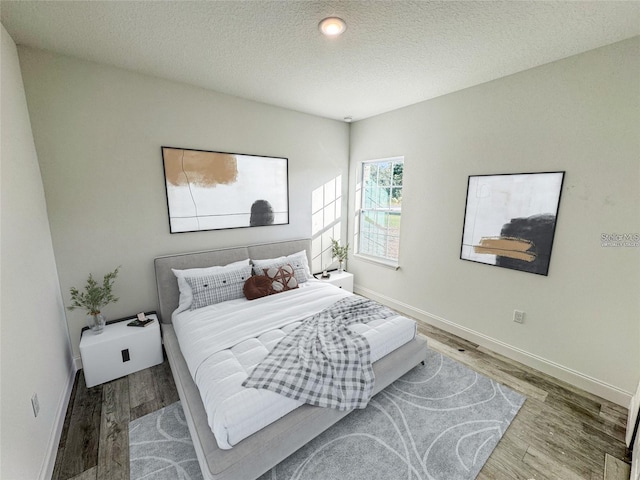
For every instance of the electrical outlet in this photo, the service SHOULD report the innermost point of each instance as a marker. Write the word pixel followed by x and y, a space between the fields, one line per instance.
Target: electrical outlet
pixel 518 316
pixel 35 404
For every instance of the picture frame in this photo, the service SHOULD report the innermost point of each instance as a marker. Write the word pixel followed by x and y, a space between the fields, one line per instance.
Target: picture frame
pixel 510 220
pixel 211 190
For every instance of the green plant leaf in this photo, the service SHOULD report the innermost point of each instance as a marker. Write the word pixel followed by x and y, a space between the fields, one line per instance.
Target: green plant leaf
pixel 94 296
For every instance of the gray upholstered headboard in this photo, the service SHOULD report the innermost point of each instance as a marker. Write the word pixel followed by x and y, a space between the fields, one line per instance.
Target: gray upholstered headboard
pixel 168 294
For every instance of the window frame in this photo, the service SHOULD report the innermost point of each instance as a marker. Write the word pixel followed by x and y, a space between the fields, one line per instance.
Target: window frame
pixel 360 211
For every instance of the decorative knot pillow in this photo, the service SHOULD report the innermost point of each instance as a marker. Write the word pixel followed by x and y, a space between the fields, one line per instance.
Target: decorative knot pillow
pixel 282 278
pixel 297 260
pixel 257 286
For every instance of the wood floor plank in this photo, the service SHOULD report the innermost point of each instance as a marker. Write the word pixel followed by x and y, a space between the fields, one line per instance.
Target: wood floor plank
pixel 556 433
pixel 445 338
pixel 160 390
pixel 565 457
pixel 82 439
pixel 529 431
pixel 87 474
pixel 143 394
pixel 569 431
pixel 165 384
pixel 614 414
pixel 553 467
pixel 64 435
pixel 113 454
pixel 506 462
pixel 141 387
pixel 567 389
pixel 615 469
pixel 592 427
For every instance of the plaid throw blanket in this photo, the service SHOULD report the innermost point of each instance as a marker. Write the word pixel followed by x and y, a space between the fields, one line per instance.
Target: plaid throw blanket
pixel 322 362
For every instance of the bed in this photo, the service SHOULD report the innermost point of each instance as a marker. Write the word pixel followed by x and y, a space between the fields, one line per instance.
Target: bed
pixel 254 454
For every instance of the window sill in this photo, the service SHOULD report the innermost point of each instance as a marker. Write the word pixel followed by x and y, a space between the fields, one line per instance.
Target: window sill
pixel 378 261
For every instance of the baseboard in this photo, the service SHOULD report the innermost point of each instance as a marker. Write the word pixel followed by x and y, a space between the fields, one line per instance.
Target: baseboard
pixel 78 362
pixel 573 377
pixel 52 448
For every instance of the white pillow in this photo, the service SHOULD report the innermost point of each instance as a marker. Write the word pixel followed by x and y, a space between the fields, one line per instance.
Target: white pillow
pixel 186 294
pixel 298 261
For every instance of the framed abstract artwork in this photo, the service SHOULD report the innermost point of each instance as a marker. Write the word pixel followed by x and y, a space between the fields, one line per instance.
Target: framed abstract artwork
pixel 510 220
pixel 217 190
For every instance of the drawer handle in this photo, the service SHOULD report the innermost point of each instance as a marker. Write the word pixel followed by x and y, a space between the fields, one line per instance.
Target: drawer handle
pixel 125 355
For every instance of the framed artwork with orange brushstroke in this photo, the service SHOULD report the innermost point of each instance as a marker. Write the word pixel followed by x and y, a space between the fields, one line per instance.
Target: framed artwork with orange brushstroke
pixel 217 190
pixel 510 220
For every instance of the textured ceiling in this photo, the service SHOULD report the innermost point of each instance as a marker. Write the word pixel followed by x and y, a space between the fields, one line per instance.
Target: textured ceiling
pixel 394 53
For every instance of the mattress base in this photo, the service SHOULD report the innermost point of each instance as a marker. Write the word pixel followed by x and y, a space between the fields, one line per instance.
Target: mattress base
pixel 261 451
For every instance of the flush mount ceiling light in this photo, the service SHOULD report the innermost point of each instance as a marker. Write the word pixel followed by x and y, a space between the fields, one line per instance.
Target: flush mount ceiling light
pixel 332 26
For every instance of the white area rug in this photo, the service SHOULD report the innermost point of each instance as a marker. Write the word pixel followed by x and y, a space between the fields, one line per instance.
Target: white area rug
pixel 160 447
pixel 441 421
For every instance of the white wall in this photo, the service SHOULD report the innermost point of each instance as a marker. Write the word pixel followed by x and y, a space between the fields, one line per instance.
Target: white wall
pixel 582 115
pixel 98 132
pixel 35 349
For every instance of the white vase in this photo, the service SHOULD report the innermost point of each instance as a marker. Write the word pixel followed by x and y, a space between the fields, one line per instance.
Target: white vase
pixel 96 322
pixel 340 266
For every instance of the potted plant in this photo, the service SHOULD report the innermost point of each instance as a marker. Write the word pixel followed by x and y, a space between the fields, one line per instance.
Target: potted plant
pixel 93 298
pixel 340 253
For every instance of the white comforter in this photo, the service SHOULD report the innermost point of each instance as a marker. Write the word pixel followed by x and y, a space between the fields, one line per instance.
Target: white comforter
pixel 222 343
pixel 216 327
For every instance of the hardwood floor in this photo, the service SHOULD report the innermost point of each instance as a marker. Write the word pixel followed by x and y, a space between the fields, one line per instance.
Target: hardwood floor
pixel 561 432
pixel 95 436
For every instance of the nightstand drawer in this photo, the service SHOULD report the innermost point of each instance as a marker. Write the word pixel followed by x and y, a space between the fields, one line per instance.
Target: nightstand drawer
pixel 120 350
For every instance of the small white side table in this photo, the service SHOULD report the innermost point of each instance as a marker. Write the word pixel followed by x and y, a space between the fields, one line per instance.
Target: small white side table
pixel 120 350
pixel 342 280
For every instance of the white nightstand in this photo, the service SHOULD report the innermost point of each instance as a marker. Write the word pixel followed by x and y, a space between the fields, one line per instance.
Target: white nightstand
pixel 120 350
pixel 342 280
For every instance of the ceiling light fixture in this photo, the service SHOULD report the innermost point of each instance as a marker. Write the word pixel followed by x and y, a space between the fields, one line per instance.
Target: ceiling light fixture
pixel 332 26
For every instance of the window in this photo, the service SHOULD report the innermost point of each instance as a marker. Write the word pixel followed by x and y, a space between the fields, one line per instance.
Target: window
pixel 380 197
pixel 326 218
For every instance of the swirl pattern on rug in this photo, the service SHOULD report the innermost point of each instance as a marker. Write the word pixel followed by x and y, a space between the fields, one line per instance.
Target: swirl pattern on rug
pixel 440 421
pixel 160 447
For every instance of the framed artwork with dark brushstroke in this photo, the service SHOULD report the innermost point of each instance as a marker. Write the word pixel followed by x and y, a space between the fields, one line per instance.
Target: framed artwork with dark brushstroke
pixel 510 220
pixel 217 190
